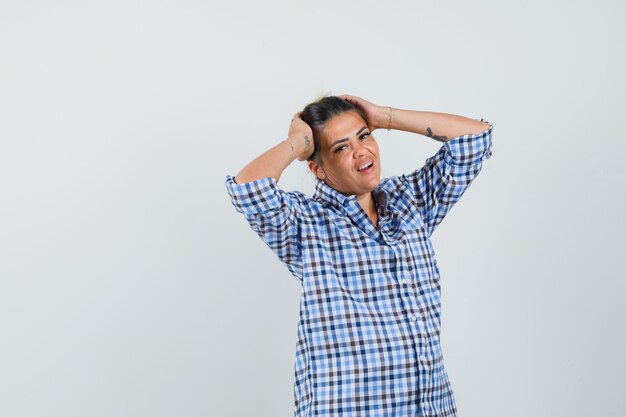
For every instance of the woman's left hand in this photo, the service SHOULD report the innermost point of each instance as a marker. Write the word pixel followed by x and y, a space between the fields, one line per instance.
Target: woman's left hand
pixel 377 116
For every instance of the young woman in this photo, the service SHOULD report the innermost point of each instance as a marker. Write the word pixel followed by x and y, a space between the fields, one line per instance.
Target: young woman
pixel 368 334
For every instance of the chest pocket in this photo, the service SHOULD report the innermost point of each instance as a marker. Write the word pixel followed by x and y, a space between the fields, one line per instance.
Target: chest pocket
pixel 404 208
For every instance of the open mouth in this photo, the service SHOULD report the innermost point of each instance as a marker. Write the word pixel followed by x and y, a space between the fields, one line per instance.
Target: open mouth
pixel 367 167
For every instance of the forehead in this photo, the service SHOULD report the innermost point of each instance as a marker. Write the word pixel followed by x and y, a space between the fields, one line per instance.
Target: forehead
pixel 344 125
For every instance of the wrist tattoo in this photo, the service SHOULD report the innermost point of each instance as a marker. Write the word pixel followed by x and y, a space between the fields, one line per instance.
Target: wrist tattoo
pixel 439 138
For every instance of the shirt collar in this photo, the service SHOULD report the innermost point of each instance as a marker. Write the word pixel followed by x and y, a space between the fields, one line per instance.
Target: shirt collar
pixel 327 194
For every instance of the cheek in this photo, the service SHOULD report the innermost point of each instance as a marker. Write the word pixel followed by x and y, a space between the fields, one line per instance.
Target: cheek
pixel 343 167
pixel 335 164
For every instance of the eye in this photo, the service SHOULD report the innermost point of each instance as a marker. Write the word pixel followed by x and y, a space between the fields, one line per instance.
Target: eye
pixel 365 135
pixel 340 148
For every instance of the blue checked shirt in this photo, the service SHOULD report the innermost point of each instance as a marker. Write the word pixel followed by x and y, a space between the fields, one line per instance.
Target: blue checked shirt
pixel 368 334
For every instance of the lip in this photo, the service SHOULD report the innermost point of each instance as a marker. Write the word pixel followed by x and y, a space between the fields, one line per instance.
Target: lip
pixel 367 161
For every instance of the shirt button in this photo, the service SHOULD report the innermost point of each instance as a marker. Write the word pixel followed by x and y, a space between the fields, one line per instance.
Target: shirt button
pixel 406 281
pixel 414 317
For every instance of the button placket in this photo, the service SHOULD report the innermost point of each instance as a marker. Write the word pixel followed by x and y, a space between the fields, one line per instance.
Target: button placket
pixel 407 293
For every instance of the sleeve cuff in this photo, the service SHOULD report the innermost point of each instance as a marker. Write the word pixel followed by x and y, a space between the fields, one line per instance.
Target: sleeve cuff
pixel 469 149
pixel 253 197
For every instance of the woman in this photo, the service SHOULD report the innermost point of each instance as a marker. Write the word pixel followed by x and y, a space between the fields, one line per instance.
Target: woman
pixel 368 335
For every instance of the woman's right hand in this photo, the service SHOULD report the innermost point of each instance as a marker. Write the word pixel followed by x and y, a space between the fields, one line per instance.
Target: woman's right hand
pixel 301 137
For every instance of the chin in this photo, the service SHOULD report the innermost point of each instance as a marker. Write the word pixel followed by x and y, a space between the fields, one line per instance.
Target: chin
pixel 373 183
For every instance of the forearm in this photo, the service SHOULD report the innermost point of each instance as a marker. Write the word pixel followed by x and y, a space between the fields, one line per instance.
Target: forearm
pixel 439 126
pixel 270 163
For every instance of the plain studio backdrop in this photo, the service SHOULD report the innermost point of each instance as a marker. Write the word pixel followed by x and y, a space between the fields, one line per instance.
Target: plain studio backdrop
pixel 130 286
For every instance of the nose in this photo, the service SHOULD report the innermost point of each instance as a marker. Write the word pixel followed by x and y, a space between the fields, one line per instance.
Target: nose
pixel 359 150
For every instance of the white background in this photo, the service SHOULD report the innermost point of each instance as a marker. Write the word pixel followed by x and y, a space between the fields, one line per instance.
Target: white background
pixel 129 286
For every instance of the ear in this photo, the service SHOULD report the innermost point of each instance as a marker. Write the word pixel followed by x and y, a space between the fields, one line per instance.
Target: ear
pixel 316 169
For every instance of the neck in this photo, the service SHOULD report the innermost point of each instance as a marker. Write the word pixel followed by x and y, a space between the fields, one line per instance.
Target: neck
pixel 367 202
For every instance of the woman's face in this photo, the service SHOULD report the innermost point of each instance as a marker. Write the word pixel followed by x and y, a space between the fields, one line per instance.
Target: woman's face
pixel 347 145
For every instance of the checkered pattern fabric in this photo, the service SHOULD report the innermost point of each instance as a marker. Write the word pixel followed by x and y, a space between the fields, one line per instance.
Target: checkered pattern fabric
pixel 368 334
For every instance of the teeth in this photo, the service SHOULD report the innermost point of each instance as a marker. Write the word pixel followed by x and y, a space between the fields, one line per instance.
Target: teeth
pixel 365 166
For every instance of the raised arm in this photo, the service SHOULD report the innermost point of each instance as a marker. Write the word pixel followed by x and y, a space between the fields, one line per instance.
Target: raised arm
pixel 273 213
pixel 272 163
pixel 439 126
pixel 444 178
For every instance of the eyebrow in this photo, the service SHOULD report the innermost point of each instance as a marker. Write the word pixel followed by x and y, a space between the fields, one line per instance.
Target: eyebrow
pixel 345 139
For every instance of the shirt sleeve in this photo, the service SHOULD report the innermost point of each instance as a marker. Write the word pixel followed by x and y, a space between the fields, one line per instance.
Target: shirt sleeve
pixel 273 214
pixel 445 176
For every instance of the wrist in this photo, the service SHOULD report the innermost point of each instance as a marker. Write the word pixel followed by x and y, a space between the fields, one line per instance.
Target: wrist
pixel 290 145
pixel 384 118
pixel 300 142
